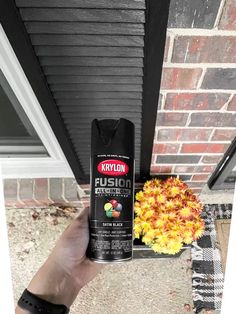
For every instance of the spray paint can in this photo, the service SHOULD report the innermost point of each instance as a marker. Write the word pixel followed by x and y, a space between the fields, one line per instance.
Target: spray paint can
pixel 112 191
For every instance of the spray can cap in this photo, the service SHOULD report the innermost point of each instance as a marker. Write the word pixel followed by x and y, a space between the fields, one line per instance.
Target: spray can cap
pixel 112 137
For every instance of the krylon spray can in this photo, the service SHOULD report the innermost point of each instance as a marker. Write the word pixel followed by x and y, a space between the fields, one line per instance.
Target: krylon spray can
pixel 112 184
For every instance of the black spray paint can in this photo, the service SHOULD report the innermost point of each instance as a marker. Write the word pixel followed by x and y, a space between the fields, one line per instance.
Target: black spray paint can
pixel 112 191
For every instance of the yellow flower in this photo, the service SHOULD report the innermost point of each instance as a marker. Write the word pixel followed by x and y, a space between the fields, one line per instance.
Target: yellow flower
pixel 188 237
pixel 150 235
pixel 163 239
pixel 167 215
pixel 174 191
pixel 174 246
pixel 189 224
pixel 161 198
pixel 151 201
pixel 164 217
pixel 139 196
pixel 148 214
pixel 157 248
pixel 146 226
pixel 170 204
pixel 174 234
pixel 137 228
pixel 199 229
pixel 159 223
pixel 185 212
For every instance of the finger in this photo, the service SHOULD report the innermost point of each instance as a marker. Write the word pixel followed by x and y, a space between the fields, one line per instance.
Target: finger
pixel 83 215
pixel 79 224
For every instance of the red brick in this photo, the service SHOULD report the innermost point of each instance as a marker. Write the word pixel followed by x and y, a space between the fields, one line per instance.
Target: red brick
pixel 26 190
pixel 180 78
pixel 212 159
pixel 41 189
pixel 10 189
pixel 165 148
pixel 195 184
pixel 197 49
pixel 200 177
pixel 184 169
pixel 207 169
pixel 186 134
pixel 232 104
pixel 203 148
pixel 195 101
pixel 228 17
pixel 224 135
pixel 213 119
pixel 161 169
pixel 171 119
pixel 193 169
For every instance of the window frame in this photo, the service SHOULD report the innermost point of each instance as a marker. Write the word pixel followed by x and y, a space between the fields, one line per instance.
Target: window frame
pixel 56 164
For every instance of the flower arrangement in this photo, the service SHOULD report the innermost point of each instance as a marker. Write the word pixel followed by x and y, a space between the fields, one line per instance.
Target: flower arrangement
pixel 167 215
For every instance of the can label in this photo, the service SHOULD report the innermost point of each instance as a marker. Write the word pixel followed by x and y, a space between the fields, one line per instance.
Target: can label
pixel 111 211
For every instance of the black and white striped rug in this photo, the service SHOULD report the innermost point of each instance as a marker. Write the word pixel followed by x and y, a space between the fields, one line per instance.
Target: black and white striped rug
pixel 208 278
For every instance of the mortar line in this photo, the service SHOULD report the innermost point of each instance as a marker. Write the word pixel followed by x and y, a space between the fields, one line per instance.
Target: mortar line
pixel 171 47
pixel 199 65
pixel 219 14
pixel 194 111
pixel 197 91
pixel 188 154
pixel 48 183
pixel 196 31
pixel 33 188
pixel 201 78
pixel 195 127
pixel 224 108
pixel 163 101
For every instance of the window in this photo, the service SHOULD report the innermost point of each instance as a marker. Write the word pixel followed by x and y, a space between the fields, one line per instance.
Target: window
pixel 17 135
pixel 28 146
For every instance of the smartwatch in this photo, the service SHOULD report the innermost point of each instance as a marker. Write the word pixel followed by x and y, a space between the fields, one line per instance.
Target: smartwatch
pixel 35 305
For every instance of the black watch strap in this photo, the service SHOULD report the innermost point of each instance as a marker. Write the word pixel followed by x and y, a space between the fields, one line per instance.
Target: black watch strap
pixel 35 305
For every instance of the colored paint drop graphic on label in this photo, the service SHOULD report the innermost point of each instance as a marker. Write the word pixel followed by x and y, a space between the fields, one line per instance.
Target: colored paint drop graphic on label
pixel 107 206
pixel 113 209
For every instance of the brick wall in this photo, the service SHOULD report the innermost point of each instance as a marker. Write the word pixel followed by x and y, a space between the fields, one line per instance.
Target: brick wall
pixel 196 119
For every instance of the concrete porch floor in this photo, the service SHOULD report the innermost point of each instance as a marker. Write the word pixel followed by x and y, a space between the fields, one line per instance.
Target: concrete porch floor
pixel 141 286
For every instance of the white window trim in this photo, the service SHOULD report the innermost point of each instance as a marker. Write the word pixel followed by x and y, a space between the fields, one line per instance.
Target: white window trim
pixel 54 166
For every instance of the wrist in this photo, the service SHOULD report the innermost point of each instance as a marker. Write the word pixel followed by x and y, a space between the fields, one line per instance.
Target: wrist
pixel 53 284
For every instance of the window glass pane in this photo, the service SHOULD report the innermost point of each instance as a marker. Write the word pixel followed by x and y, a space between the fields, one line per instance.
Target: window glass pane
pixel 17 135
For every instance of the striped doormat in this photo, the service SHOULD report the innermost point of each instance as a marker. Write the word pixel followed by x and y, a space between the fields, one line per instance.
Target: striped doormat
pixel 208 278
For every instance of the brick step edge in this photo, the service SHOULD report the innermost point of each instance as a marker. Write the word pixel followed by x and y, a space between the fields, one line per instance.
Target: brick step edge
pixel 43 193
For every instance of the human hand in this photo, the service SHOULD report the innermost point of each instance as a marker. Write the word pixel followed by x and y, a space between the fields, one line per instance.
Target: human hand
pixel 67 269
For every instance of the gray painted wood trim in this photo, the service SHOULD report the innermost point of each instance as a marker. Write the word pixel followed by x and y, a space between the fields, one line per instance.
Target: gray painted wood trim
pixel 96 87
pixel 128 108
pixel 89 51
pixel 99 103
pixel 84 28
pixel 95 95
pixel 82 15
pixel 103 4
pixel 106 114
pixel 64 70
pixel 86 40
pixel 95 79
pixel 91 61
